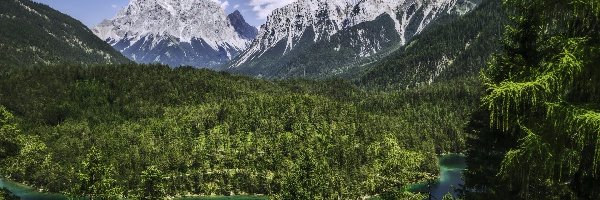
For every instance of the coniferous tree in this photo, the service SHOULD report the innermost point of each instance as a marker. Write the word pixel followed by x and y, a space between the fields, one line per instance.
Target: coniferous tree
pixel 152 184
pixel 8 134
pixel 542 92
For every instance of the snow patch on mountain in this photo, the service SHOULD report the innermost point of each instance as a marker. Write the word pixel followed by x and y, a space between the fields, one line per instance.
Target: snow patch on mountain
pixel 328 17
pixel 162 25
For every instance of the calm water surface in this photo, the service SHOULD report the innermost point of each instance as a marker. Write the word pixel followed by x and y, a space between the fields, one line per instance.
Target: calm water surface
pixel 451 179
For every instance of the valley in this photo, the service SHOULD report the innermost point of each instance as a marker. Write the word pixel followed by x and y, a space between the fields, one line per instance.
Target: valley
pixel 227 135
pixel 326 99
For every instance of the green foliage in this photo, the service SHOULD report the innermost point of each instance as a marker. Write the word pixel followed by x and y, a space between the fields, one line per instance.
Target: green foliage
pixel 146 131
pixel 448 197
pixel 32 33
pixel 8 127
pixel 9 146
pixel 542 92
pixel 152 184
pixel 95 178
pixel 486 148
pixel 401 195
pixel 8 134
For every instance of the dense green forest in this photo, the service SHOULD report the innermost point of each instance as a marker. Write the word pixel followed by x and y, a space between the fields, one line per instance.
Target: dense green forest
pixel 147 131
pixel 537 133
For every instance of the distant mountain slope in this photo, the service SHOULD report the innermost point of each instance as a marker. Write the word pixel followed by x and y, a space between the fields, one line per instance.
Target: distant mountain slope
pixel 33 33
pixel 323 38
pixel 453 47
pixel 175 32
pixel 323 59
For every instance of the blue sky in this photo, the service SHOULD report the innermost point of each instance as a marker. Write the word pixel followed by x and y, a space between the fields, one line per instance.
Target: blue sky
pixel 92 12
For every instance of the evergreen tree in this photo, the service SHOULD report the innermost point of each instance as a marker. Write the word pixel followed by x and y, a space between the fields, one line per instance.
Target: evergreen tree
pixel 542 92
pixel 95 178
pixel 8 145
pixel 486 147
pixel 8 134
pixel 152 184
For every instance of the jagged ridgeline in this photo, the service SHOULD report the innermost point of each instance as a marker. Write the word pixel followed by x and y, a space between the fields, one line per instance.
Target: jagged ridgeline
pixel 177 32
pixel 33 33
pixel 318 38
pixel 453 47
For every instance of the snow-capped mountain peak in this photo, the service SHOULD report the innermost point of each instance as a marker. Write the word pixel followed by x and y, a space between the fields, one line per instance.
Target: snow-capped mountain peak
pixel 240 25
pixel 150 30
pixel 385 23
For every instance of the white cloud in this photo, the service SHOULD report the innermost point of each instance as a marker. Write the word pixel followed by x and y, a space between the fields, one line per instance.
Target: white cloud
pixel 223 4
pixel 236 6
pixel 263 8
pixel 114 6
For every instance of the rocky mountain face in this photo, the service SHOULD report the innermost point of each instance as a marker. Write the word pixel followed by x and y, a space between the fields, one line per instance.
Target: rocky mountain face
pixel 240 25
pixel 33 34
pixel 176 32
pixel 321 38
pixel 456 48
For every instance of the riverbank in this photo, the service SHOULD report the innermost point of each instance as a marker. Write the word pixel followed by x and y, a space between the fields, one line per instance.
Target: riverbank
pixel 28 193
pixel 451 179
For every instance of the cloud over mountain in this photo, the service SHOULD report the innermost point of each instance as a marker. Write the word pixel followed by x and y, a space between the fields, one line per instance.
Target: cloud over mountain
pixel 223 4
pixel 263 8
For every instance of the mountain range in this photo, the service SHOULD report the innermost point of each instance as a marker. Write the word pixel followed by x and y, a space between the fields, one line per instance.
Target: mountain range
pixel 454 47
pixel 307 38
pixel 177 32
pixel 374 42
pixel 324 38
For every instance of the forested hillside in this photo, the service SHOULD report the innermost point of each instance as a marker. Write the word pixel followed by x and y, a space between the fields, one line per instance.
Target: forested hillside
pixel 34 33
pixel 452 47
pixel 140 131
pixel 537 134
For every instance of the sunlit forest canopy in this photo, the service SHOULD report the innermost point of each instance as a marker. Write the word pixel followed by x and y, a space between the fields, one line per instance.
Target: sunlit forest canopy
pixel 142 131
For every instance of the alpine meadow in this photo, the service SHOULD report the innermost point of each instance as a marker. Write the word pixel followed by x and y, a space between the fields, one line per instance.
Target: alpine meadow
pixel 326 99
